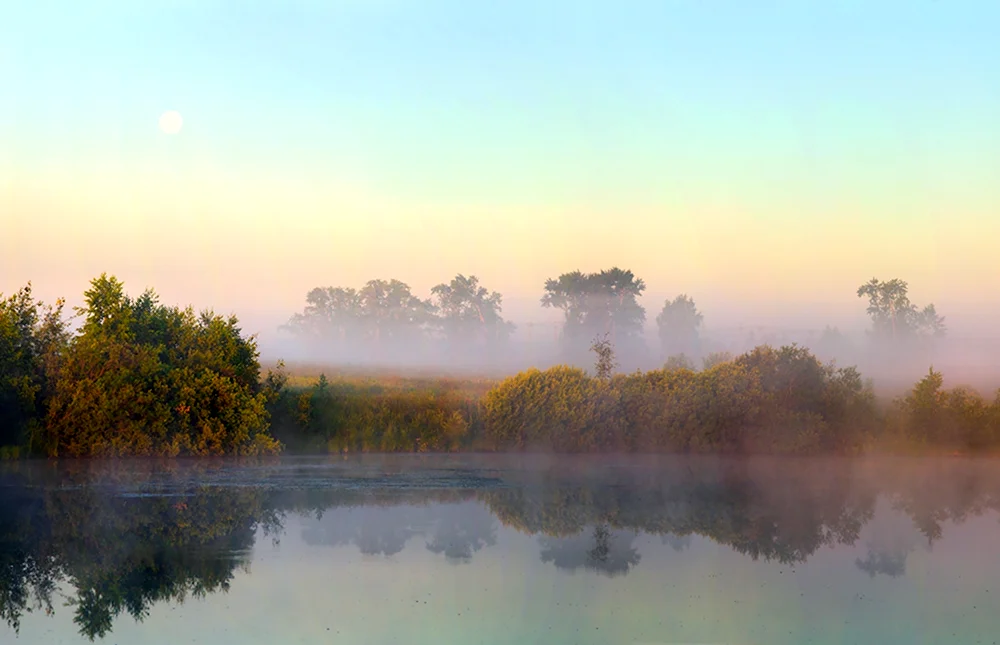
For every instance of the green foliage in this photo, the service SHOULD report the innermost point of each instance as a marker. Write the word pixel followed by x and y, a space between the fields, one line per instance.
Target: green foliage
pixel 957 419
pixel 139 378
pixel 561 408
pixel 773 401
pixel 345 416
pixel 33 337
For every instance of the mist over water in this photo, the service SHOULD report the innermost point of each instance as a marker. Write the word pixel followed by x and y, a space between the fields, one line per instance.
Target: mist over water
pixel 501 550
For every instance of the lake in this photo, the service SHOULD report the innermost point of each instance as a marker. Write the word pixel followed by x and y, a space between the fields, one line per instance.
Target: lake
pixel 499 550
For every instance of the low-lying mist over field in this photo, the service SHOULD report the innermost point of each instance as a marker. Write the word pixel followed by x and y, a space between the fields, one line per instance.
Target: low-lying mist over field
pixel 463 328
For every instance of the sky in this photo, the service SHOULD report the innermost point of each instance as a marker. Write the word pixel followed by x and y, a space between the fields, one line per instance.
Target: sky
pixel 764 157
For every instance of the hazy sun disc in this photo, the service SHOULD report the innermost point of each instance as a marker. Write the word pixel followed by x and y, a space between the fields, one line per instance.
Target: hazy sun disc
pixel 171 122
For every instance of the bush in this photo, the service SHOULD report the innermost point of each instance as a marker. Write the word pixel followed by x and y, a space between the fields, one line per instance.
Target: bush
pixel 145 379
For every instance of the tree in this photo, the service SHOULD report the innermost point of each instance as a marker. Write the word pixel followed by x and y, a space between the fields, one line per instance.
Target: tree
pixel 469 314
pixel 33 338
pixel 678 325
pixel 142 378
pixel 606 364
pixel 894 316
pixel 595 303
pixel 384 315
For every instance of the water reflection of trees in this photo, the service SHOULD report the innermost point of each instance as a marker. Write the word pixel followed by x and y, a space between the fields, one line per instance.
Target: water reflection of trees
pixel 121 554
pixel 603 550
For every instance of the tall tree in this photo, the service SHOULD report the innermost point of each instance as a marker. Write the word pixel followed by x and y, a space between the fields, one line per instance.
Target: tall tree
pixel 597 303
pixel 894 316
pixel 470 314
pixel 678 323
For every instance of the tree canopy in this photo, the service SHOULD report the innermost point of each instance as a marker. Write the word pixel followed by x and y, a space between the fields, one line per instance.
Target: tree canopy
pixel 598 303
pixel 138 378
pixel 469 314
pixel 894 316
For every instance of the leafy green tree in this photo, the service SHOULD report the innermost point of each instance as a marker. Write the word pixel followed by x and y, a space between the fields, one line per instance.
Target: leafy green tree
pixel 469 314
pixel 143 378
pixel 678 324
pixel 597 303
pixel 33 338
pixel 894 316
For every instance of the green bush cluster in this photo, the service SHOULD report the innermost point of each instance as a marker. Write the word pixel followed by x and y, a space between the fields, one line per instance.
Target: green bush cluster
pixel 348 416
pixel 932 417
pixel 138 378
pixel 767 400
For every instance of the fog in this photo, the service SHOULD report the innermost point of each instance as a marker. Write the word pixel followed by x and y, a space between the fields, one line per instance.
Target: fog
pixel 967 354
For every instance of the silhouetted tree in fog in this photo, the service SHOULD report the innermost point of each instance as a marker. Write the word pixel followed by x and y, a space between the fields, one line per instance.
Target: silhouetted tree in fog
pixel 598 303
pixel 678 325
pixel 469 314
pixel 894 316
pixel 383 316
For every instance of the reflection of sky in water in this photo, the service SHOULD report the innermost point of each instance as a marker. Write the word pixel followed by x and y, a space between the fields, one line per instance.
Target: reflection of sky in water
pixel 439 573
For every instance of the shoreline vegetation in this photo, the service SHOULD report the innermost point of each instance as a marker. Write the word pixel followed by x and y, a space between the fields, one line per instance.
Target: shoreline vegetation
pixel 144 379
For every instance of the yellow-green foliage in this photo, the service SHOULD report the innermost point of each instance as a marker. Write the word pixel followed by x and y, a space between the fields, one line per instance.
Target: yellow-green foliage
pixel 764 401
pixel 360 416
pixel 957 419
pixel 559 408
pixel 144 379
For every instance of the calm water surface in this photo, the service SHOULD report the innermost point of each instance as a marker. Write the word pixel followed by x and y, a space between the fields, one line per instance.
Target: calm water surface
pixel 416 550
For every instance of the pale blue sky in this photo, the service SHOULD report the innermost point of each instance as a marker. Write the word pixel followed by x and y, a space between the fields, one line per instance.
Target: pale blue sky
pixel 713 133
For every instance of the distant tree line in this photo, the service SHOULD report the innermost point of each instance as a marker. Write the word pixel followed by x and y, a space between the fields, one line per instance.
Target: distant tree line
pixel 384 317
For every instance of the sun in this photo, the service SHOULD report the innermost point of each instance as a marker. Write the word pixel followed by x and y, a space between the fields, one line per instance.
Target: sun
pixel 171 122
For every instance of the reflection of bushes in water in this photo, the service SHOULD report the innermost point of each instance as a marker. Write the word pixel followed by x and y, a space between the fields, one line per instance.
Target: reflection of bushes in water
pixel 769 509
pixel 785 522
pixel 892 564
pixel 123 554
pixel 603 551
